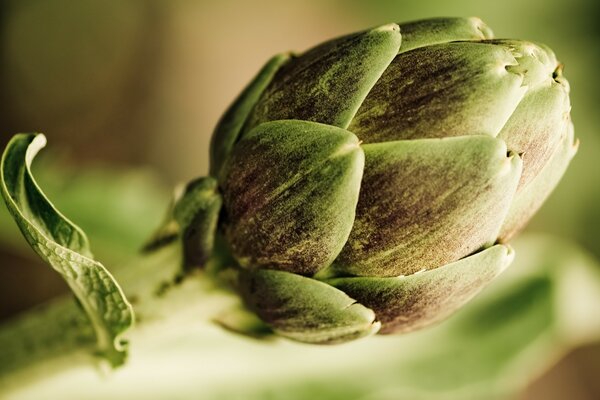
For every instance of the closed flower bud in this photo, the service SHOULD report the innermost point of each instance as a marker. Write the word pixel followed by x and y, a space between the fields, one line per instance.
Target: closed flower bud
pixel 369 183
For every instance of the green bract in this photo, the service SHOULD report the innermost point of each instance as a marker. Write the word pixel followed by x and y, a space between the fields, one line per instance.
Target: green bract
pixel 369 183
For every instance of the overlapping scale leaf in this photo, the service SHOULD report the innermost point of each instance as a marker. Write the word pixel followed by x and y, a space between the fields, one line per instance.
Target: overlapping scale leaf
pixel 537 127
pixel 328 83
pixel 407 303
pixel 535 63
pixel 450 89
pixel 290 195
pixel 230 125
pixel 431 31
pixel 305 309
pixel 464 137
pixel 538 124
pixel 529 198
pixel 425 203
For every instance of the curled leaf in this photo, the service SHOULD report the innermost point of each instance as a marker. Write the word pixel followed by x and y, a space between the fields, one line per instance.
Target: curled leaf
pixel 65 247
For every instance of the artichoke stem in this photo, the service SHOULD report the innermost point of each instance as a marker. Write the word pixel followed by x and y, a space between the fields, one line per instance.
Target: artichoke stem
pixel 57 336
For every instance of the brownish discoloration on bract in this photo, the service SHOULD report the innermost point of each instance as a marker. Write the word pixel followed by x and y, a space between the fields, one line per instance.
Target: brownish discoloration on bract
pixel 290 195
pixel 426 203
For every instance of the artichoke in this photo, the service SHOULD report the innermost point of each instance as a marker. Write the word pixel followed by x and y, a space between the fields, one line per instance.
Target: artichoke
pixel 370 183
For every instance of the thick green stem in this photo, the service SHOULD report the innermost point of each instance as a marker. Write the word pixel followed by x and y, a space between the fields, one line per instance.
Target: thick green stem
pixel 58 334
pixel 43 333
pixel 499 342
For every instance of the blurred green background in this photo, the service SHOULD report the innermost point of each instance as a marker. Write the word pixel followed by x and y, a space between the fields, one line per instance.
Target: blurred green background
pixel 128 92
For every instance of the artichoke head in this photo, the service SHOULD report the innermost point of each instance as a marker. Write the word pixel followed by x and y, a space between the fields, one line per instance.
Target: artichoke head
pixel 370 184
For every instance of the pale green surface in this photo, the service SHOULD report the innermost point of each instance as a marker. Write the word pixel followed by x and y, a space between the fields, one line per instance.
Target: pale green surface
pixel 65 247
pixel 509 334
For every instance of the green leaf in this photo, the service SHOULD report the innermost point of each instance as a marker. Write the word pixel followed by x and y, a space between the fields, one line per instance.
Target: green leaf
pixel 328 83
pixel 290 195
pixel 305 309
pixel 406 303
pixel 9 233
pixel 65 247
pixel 230 125
pixel 431 31
pixel 426 203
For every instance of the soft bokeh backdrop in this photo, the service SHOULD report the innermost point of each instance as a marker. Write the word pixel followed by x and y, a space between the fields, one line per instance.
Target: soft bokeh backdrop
pixel 128 92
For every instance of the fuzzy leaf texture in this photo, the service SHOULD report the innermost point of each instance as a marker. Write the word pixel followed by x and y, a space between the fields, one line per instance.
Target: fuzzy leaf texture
pixel 386 163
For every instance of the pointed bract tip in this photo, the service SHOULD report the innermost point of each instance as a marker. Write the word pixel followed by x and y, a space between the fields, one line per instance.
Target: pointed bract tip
pixel 575 147
pixel 392 27
pixel 485 31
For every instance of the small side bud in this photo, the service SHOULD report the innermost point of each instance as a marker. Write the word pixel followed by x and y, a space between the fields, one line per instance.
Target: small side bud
pixel 197 214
